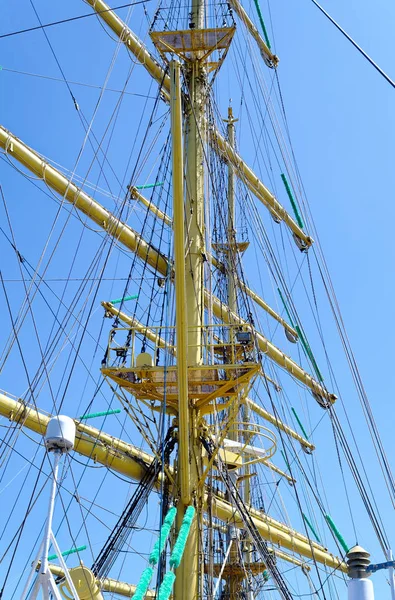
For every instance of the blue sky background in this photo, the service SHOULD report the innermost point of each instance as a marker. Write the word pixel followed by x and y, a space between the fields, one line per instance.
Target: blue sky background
pixel 341 118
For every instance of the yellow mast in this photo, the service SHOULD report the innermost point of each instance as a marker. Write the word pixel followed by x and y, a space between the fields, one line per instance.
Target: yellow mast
pixel 231 242
pixel 233 580
pixel 233 282
pixel 192 239
pixel 181 297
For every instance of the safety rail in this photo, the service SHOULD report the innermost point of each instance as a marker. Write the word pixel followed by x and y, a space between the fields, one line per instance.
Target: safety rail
pixel 219 344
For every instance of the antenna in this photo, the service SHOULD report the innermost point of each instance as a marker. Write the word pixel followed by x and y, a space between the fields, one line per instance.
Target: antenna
pixel 59 439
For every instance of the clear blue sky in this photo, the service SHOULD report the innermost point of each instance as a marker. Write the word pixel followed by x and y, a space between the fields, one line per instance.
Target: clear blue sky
pixel 340 113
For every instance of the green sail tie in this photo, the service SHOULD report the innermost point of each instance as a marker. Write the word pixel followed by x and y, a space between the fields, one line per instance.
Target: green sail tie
pixel 262 22
pixel 105 413
pixel 300 424
pixel 292 200
pixel 124 299
pixel 67 552
pixel 313 531
pixel 309 353
pixel 148 185
pixel 337 533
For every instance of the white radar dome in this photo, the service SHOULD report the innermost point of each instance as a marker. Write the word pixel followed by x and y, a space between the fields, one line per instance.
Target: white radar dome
pixel 60 434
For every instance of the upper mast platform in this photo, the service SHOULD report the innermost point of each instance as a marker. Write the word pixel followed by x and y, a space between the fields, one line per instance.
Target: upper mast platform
pixel 192 38
pixel 195 44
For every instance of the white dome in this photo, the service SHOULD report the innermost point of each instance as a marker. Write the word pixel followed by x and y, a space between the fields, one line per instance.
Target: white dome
pixel 60 434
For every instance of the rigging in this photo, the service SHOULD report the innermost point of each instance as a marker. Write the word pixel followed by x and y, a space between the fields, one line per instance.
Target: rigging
pixel 354 43
pixel 109 553
pixel 44 25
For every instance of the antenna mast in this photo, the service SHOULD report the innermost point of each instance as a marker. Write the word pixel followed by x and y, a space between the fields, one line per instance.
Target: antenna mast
pixel 59 439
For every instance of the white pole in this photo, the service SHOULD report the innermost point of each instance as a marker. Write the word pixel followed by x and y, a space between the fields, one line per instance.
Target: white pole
pixel 391 574
pixel 32 572
pixel 360 589
pixel 48 525
pixel 65 569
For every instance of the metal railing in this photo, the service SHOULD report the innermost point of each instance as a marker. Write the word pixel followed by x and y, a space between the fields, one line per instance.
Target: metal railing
pixel 218 345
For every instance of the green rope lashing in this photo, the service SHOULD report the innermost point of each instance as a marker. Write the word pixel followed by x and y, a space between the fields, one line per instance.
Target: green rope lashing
pixel 262 22
pixel 302 339
pixel 337 533
pixel 105 413
pixel 310 526
pixel 142 586
pixel 148 185
pixel 163 535
pixel 160 543
pixel 309 353
pixel 67 552
pixel 176 555
pixel 175 558
pixel 166 586
pixel 285 307
pixel 292 200
pixel 125 299
pixel 180 544
pixel 300 423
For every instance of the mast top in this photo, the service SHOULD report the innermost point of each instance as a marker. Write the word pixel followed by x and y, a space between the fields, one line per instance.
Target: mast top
pixel 191 41
pixel 195 45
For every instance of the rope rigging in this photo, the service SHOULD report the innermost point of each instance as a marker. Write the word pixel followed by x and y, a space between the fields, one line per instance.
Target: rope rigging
pixel 122 530
pixel 250 526
pixel 70 19
pixel 354 43
pixel 155 305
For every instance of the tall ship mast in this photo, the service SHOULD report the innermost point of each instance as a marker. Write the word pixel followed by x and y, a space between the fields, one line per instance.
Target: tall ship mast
pixel 179 336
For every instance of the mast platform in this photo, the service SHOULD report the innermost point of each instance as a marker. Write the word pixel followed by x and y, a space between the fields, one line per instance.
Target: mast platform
pixel 147 369
pixel 194 44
